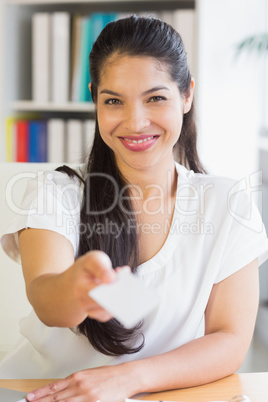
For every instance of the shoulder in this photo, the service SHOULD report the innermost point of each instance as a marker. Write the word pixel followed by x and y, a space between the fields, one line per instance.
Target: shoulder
pixel 58 178
pixel 53 184
pixel 218 197
pixel 209 185
pixel 51 201
pixel 202 179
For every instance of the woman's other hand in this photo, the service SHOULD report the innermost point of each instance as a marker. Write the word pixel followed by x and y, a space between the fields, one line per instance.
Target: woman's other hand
pixel 105 384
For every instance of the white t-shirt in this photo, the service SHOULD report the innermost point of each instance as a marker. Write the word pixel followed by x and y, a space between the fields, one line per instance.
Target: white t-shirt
pixel 215 231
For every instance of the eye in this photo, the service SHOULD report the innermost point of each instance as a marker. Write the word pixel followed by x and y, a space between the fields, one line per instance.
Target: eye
pixel 112 101
pixel 157 98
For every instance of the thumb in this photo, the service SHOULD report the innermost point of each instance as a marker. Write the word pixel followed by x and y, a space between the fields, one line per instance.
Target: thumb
pixel 99 265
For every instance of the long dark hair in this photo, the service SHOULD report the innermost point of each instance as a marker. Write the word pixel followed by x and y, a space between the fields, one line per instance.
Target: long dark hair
pixel 132 36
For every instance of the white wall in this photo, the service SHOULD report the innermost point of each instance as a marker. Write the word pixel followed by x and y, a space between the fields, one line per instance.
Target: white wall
pixel 229 96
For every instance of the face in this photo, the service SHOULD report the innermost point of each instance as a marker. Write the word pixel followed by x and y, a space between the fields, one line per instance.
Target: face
pixel 140 112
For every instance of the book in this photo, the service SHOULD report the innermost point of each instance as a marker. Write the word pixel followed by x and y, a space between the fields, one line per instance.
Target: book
pixel 86 29
pixel 166 16
pixel 74 131
pixel 37 141
pixel 55 141
pixel 154 14
pixel 41 53
pixel 42 141
pixel 97 22
pixel 60 56
pixel 75 58
pixel 10 124
pixel 33 141
pixel 22 140
pixel 109 17
pixel 88 137
pixel 122 15
pixel 86 45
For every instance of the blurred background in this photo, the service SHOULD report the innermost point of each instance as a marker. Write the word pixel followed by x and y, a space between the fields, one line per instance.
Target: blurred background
pixel 46 116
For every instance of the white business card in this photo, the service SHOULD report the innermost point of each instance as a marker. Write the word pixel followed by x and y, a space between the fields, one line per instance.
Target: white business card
pixel 9 395
pixel 140 400
pixel 127 299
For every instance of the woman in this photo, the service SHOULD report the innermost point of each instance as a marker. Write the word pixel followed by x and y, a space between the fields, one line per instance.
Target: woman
pixel 181 231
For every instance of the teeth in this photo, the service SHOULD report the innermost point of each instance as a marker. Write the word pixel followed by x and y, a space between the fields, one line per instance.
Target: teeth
pixel 140 141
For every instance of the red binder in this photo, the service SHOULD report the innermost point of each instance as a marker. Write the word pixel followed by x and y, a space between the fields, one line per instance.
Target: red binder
pixel 22 132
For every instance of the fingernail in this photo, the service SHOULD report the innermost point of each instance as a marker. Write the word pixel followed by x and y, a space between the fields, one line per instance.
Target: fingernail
pixel 30 396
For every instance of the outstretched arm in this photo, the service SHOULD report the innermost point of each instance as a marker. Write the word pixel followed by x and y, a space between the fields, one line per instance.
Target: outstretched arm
pixel 229 323
pixel 56 285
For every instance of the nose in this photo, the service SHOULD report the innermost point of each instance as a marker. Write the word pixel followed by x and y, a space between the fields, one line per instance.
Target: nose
pixel 136 118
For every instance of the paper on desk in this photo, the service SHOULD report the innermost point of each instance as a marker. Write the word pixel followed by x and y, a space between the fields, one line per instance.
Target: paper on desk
pixel 9 395
pixel 139 400
pixel 127 299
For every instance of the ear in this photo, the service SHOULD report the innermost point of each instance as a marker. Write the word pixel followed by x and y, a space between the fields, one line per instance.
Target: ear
pixel 89 87
pixel 189 98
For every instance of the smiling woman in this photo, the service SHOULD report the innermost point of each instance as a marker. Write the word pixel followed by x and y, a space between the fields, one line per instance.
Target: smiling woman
pixel 140 120
pixel 147 204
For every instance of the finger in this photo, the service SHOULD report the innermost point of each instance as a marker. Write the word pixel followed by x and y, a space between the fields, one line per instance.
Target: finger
pixel 100 315
pixel 68 394
pixel 124 267
pixel 99 265
pixel 47 390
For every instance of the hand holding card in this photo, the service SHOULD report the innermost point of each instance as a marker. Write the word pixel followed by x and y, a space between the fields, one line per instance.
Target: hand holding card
pixel 127 299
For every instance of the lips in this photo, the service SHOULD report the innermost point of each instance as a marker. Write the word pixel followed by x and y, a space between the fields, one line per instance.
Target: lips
pixel 139 142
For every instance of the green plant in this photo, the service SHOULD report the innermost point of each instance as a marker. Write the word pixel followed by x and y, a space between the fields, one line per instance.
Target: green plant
pixel 254 43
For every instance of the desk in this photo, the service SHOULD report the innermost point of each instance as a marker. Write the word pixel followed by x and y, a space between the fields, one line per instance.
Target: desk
pixel 254 385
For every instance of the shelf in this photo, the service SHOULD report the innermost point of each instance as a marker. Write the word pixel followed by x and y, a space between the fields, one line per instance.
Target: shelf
pixel 30 106
pixel 263 143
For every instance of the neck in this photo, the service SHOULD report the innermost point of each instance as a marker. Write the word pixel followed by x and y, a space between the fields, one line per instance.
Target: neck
pixel 155 180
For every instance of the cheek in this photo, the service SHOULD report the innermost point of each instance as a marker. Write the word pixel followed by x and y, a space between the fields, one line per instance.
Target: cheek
pixel 172 121
pixel 107 122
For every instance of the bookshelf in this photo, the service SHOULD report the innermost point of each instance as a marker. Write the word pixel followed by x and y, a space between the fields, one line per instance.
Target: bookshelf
pixel 213 72
pixel 69 107
pixel 18 48
pixel 16 39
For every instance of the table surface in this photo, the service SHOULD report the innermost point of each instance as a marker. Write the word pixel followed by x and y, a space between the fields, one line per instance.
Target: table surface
pixel 254 385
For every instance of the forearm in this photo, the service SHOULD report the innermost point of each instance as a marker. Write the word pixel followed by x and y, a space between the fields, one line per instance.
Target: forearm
pixel 229 321
pixel 200 361
pixel 52 299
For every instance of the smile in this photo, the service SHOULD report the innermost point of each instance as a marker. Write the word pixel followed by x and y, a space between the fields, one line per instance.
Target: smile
pixel 139 141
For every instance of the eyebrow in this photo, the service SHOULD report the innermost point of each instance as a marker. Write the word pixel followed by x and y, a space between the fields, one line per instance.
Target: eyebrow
pixel 154 89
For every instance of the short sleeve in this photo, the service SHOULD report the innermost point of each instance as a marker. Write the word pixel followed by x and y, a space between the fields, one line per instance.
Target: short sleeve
pixel 245 234
pixel 51 201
